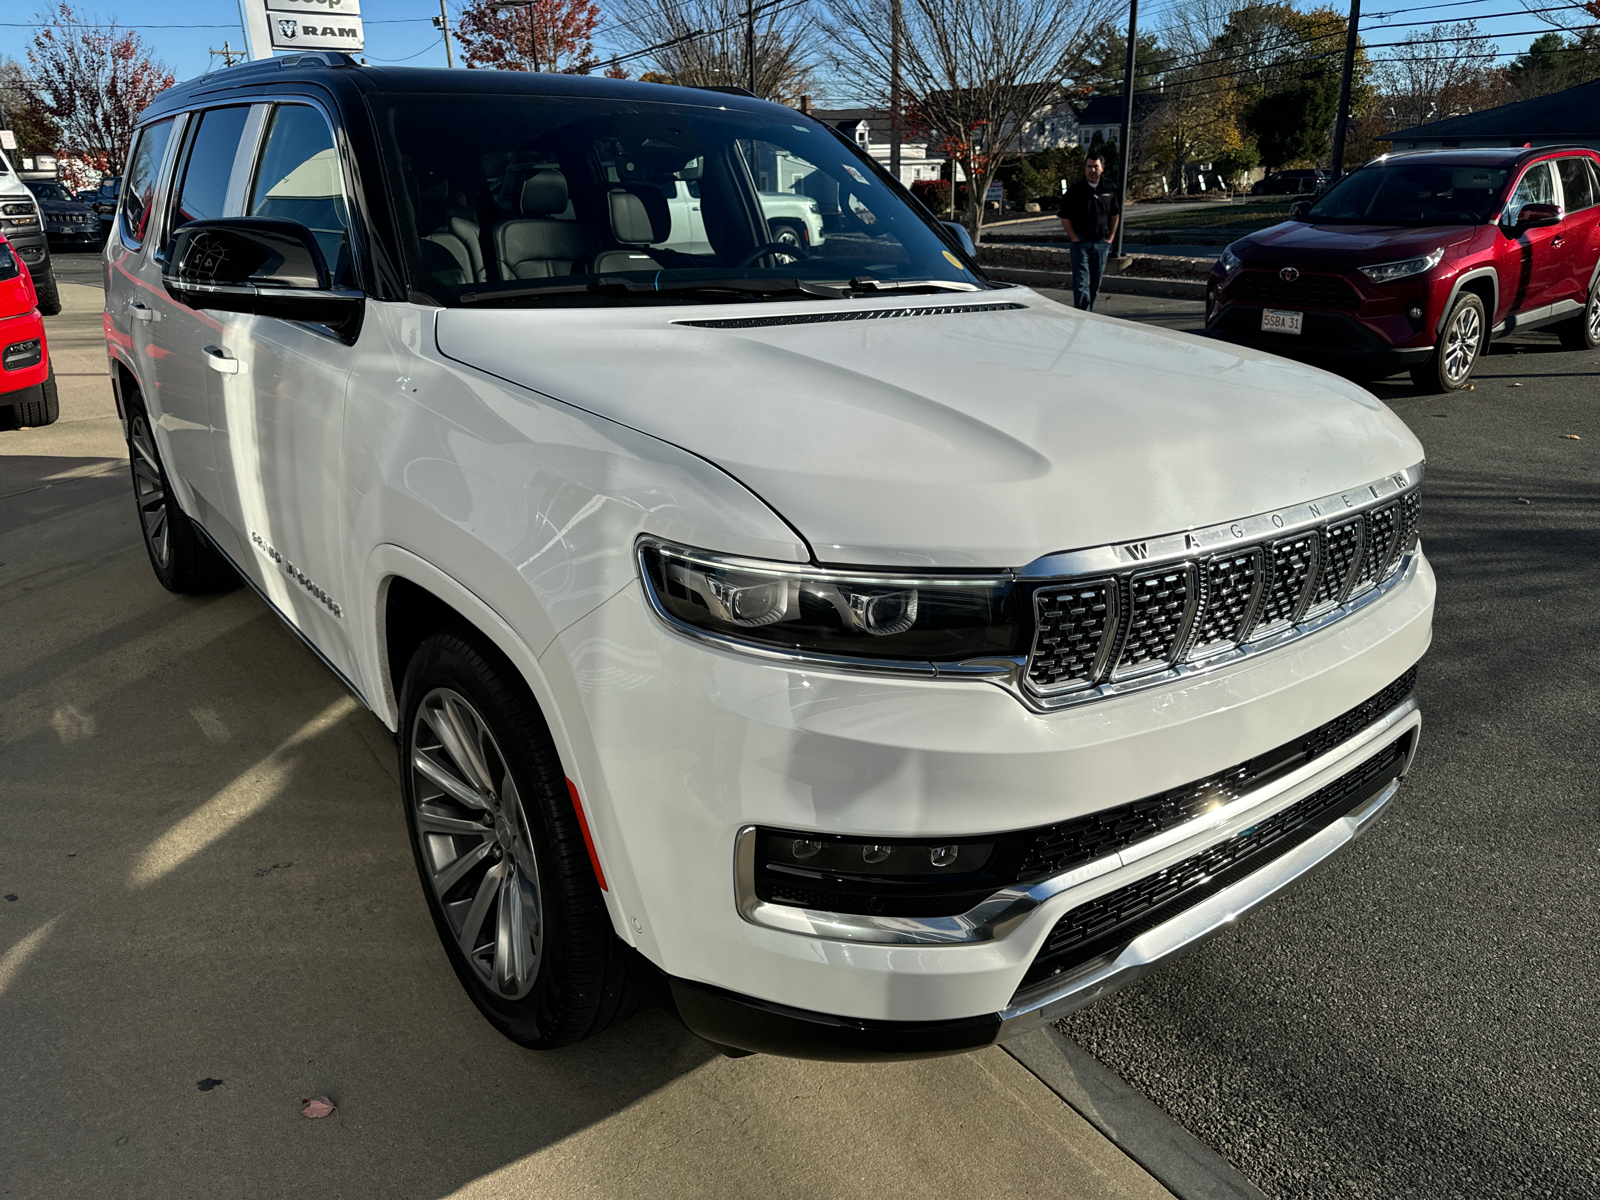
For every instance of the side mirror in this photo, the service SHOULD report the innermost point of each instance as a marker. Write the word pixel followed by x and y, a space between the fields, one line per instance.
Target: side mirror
pixel 1299 210
pixel 1533 216
pixel 960 233
pixel 260 265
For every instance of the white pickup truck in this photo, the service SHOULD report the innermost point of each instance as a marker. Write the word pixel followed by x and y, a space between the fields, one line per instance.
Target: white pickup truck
pixel 794 220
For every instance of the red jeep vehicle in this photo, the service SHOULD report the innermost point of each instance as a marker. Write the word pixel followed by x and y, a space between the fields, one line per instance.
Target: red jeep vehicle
pixel 1416 260
pixel 27 385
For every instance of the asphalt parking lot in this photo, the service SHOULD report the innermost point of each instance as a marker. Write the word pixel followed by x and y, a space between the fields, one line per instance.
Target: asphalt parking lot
pixel 1420 1019
pixel 216 913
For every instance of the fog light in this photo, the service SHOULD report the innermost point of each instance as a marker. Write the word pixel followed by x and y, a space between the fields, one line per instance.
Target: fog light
pixel 874 854
pixel 943 856
pixel 19 355
pixel 1415 312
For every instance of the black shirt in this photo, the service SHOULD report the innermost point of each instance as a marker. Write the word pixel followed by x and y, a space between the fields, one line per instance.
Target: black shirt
pixel 1090 209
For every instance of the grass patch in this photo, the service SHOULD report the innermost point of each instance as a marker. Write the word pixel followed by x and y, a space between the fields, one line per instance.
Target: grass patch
pixel 1258 215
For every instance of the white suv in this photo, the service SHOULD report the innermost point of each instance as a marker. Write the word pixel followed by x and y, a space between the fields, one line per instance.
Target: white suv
pixel 867 659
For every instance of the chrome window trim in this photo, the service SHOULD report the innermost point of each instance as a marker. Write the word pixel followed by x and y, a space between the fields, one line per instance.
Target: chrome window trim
pixel 1003 913
pixel 1116 562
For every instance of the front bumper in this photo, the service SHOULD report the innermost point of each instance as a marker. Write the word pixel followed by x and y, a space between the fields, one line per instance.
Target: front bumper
pixel 1330 339
pixel 22 386
pixel 678 747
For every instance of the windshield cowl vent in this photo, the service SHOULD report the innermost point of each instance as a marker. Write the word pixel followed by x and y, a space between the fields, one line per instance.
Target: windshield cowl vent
pixel 859 314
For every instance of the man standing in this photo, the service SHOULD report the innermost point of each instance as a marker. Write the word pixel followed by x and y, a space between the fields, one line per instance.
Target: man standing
pixel 1089 213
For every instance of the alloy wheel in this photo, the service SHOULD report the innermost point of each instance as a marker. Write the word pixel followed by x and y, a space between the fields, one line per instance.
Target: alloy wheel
pixel 1461 342
pixel 1593 317
pixel 475 843
pixel 150 493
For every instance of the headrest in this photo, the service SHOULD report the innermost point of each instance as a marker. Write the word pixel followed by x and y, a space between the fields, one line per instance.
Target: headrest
pixel 639 214
pixel 544 194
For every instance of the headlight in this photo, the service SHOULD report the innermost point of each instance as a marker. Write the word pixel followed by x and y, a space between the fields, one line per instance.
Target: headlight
pixel 921 623
pixel 16 208
pixel 1389 272
pixel 1229 261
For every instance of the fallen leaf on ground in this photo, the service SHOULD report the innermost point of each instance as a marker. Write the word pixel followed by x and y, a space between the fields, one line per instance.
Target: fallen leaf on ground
pixel 317 1106
pixel 11 895
pixel 205 1085
pixel 1572 437
pixel 1516 385
pixel 1520 500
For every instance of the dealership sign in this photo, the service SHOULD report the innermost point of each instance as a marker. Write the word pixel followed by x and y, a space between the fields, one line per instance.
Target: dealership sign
pixel 315 25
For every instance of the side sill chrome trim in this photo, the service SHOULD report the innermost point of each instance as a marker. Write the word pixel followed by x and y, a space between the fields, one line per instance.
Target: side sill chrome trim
pixel 1005 911
pixel 1061 995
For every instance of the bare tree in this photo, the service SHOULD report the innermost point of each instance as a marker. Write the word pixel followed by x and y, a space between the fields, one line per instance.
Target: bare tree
pixel 1577 16
pixel 1436 73
pixel 707 43
pixel 973 72
pixel 94 81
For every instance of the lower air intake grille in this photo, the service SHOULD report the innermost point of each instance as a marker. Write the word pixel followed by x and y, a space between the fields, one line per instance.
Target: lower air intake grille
pixel 1109 922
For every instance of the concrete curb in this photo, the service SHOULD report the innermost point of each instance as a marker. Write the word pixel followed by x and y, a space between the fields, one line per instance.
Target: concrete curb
pixel 1179 1161
pixel 1128 285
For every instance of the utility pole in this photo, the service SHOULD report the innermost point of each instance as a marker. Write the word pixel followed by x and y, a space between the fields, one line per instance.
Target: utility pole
pixel 750 44
pixel 1343 123
pixel 1123 150
pixel 227 52
pixel 894 90
pixel 442 23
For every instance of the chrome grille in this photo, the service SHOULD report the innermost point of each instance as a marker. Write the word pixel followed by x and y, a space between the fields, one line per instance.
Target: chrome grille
pixel 1341 547
pixel 1073 626
pixel 1231 581
pixel 1139 623
pixel 1294 562
pixel 1158 611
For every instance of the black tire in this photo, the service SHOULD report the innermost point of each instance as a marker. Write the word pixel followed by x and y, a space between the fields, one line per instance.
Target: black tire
pixel 44 285
pixel 578 982
pixel 183 560
pixel 43 411
pixel 789 233
pixel 1583 331
pixel 1461 340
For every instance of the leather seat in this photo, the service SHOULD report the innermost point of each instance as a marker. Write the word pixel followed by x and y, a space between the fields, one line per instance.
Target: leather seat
pixel 455 233
pixel 639 217
pixel 534 246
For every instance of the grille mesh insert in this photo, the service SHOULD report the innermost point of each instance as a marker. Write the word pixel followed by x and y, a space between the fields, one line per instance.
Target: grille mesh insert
pixel 1341 544
pixel 1308 291
pixel 1073 624
pixel 1231 581
pixel 1292 563
pixel 1158 602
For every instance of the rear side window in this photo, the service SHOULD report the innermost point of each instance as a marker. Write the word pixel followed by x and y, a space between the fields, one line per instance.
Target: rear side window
pixel 1577 182
pixel 300 180
pixel 144 166
pixel 210 162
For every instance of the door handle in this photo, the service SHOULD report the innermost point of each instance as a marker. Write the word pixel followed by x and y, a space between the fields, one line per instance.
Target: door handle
pixel 1556 241
pixel 141 312
pixel 219 359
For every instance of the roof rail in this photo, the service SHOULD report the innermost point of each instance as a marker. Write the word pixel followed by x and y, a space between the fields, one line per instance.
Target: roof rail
pixel 319 58
pixel 732 91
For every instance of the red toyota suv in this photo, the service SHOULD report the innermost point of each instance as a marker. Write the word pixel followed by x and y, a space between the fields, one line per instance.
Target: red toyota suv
pixel 1416 260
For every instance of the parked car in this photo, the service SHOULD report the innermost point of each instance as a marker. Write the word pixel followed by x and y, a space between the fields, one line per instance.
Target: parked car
pixel 1417 260
pixel 27 383
pixel 105 200
pixel 1292 183
pixel 66 221
pixel 22 225
pixel 792 633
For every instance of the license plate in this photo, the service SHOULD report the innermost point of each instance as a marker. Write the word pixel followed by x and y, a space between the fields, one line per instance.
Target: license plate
pixel 1277 320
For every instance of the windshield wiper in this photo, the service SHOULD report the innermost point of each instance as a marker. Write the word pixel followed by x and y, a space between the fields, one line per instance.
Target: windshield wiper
pixel 619 285
pixel 862 284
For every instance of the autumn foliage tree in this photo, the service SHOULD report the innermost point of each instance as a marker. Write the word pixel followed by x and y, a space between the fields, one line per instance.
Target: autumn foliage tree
pixel 547 35
pixel 93 81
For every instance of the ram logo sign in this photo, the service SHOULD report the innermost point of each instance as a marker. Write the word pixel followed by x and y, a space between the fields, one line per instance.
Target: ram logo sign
pixel 319 25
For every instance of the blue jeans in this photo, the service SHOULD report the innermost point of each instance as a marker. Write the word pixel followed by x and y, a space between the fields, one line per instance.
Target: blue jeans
pixel 1088 265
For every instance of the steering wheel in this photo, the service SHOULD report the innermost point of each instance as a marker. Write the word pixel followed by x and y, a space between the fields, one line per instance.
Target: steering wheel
pixel 794 252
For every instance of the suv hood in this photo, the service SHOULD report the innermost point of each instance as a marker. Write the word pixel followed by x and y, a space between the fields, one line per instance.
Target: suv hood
pixel 1348 245
pixel 963 439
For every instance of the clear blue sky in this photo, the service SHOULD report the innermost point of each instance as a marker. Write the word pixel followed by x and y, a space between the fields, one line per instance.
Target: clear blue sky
pixel 181 32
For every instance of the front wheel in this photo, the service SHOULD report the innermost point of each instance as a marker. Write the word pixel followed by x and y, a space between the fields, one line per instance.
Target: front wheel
pixel 1456 352
pixel 1583 331
pixel 503 860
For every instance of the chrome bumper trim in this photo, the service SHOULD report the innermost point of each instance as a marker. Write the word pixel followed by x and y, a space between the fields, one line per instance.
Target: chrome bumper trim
pixel 1005 911
pixel 1067 993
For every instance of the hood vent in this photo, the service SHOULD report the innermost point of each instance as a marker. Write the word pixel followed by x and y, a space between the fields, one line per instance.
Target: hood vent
pixel 861 314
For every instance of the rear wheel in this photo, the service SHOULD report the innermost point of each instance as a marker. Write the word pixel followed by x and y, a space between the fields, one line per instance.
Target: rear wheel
pixel 1583 331
pixel 34 413
pixel 183 560
pixel 1456 352
pixel 504 863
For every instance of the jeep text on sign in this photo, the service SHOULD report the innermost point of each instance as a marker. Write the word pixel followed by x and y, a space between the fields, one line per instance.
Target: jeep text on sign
pixel 317 8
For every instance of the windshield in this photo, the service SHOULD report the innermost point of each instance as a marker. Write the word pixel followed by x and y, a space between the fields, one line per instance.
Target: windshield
pixel 1413 194
pixel 50 191
pixel 560 200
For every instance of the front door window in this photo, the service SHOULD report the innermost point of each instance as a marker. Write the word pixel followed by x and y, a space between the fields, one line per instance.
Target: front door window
pixel 1538 186
pixel 300 180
